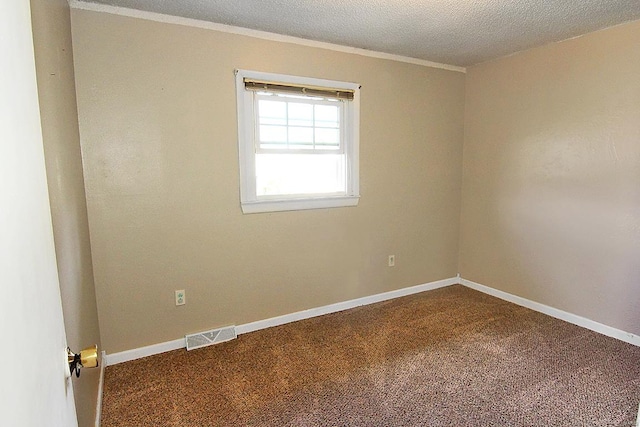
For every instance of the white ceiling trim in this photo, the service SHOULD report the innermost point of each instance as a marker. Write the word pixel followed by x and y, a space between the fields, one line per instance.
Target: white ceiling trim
pixel 189 22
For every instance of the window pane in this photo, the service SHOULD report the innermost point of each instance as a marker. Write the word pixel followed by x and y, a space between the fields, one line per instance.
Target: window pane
pixel 272 112
pixel 327 116
pixel 273 121
pixel 273 134
pixel 298 135
pixel 273 146
pixel 300 114
pixel 278 174
pixel 327 137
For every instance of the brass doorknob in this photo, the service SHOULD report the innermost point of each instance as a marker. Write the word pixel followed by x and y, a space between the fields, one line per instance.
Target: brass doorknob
pixel 87 358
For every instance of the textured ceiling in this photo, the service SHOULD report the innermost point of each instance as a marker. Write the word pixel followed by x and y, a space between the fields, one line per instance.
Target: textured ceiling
pixel 455 32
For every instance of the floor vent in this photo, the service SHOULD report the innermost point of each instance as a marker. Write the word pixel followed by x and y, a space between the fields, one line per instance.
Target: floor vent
pixel 214 336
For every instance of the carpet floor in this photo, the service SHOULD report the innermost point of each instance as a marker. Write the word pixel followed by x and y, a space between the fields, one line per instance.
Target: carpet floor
pixel 448 357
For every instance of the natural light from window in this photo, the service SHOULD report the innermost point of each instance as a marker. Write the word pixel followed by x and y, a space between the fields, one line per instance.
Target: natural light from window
pixel 298 142
pixel 299 174
pixel 299 146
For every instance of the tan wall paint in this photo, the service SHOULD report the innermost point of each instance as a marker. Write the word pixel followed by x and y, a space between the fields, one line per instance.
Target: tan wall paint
pixel 158 129
pixel 56 92
pixel 551 187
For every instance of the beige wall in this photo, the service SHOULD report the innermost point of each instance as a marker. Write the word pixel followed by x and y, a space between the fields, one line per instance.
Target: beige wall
pixel 157 116
pixel 56 92
pixel 551 187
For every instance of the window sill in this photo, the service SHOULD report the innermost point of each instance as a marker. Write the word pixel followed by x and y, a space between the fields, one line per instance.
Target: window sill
pixel 298 204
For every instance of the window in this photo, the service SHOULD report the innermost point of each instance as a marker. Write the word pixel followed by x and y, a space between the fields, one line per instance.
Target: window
pixel 298 142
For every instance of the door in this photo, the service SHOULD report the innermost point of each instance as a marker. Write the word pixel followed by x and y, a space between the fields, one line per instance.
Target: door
pixel 34 388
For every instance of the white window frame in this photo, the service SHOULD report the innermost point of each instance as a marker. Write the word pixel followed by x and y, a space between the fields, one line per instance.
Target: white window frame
pixel 249 200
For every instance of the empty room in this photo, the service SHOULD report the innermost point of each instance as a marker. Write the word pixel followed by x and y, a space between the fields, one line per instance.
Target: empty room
pixel 340 213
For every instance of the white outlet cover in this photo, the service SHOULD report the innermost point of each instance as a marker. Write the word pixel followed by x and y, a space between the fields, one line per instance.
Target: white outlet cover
pixel 181 297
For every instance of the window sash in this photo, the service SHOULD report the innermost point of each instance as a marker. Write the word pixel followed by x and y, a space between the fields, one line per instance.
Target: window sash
pixel 291 147
pixel 301 168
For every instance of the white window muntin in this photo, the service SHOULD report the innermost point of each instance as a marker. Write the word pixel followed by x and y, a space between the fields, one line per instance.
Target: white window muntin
pixel 342 123
pixel 250 202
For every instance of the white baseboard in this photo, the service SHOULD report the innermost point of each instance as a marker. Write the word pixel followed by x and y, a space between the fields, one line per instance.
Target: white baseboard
pixel 103 365
pixel 554 312
pixel 137 353
pixel 341 306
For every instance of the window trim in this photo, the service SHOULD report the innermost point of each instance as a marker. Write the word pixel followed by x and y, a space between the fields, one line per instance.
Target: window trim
pixel 249 200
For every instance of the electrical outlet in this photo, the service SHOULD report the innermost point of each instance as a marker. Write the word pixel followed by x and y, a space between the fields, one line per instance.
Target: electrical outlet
pixel 180 297
pixel 392 260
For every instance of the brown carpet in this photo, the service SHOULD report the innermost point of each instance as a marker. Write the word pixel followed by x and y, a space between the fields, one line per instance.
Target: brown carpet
pixel 449 357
